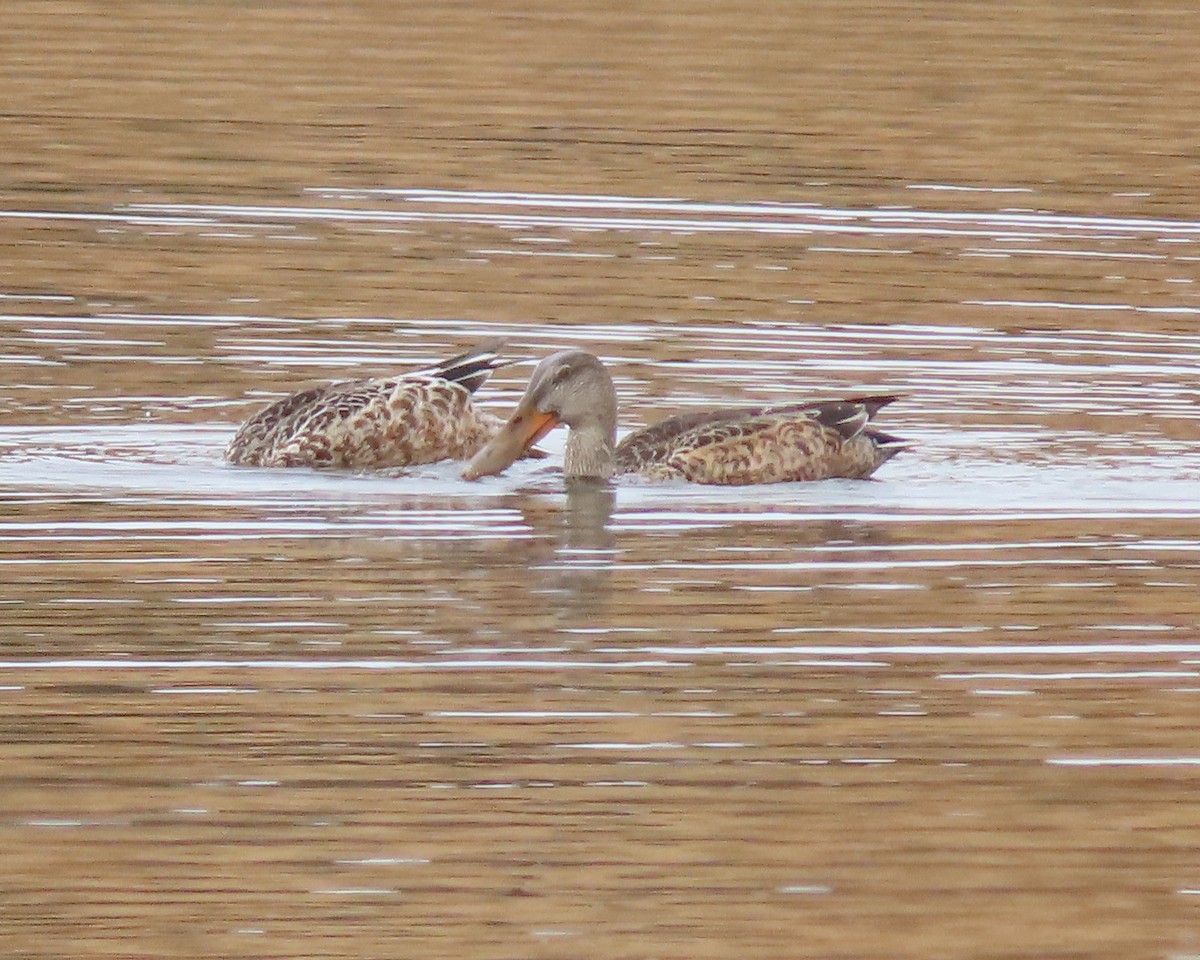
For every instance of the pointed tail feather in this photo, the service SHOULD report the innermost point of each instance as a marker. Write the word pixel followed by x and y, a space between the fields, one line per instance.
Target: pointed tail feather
pixel 887 445
pixel 472 367
pixel 874 404
pixel 848 417
pixel 845 417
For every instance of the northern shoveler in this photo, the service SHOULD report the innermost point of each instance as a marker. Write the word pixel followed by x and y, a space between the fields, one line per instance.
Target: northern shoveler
pixel 419 417
pixel 747 445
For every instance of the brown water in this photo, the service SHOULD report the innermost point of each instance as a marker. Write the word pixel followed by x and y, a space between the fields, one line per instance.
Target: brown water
pixel 948 713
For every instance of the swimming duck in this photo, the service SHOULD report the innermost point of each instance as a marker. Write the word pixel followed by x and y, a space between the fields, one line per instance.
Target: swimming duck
pixel 731 445
pixel 418 417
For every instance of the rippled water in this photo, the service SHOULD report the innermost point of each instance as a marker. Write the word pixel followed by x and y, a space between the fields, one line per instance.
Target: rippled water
pixel 947 712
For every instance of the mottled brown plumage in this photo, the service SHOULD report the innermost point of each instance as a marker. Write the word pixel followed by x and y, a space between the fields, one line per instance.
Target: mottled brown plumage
pixel 419 417
pixel 732 445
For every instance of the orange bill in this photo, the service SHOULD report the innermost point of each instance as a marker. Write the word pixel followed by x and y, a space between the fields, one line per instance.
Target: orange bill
pixel 525 428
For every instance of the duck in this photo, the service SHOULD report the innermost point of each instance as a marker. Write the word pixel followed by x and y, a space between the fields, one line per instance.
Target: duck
pixel 419 417
pixel 730 445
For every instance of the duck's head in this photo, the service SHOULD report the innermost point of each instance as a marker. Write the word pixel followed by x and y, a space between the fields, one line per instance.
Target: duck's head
pixel 570 387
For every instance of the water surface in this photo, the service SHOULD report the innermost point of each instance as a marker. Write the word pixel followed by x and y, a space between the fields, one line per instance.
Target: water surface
pixel 947 712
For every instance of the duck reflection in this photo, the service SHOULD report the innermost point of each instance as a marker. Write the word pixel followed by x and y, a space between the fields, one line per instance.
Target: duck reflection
pixel 590 504
pixel 578 550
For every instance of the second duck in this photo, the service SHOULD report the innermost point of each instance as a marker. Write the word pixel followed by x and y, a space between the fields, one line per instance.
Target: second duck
pixel 730 445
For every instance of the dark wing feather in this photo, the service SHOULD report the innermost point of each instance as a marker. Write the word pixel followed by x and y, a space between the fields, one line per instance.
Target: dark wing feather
pixel 472 367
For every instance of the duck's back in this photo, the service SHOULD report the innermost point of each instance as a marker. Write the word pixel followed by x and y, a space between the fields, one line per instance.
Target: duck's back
pixel 740 446
pixel 362 424
pixel 415 418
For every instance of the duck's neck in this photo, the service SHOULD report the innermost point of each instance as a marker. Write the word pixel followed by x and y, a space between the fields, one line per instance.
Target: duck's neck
pixel 589 450
pixel 592 434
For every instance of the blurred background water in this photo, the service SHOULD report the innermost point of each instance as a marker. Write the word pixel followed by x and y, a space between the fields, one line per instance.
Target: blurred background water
pixel 948 712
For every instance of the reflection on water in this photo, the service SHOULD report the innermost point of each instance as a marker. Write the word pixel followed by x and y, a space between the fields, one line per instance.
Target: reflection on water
pixel 948 712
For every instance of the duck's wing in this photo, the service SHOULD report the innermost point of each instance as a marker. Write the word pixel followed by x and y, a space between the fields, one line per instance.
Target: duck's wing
pixel 471 368
pixel 418 417
pixel 660 439
pixel 359 424
pixel 803 441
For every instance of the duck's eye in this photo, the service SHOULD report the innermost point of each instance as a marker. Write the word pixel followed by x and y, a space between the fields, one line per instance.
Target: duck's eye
pixel 561 374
